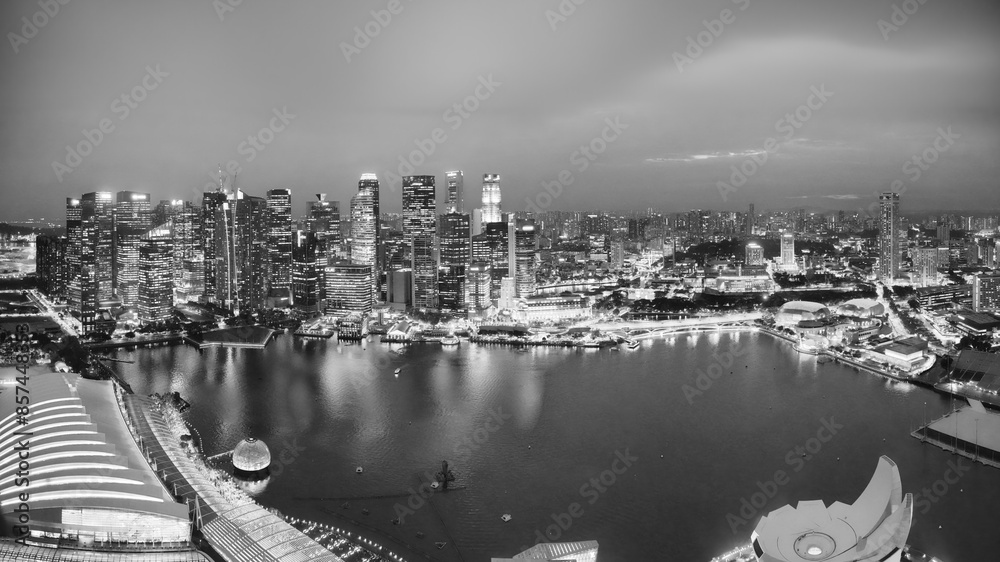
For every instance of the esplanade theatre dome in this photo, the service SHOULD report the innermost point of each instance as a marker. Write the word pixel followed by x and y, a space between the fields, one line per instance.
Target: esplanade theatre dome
pixel 795 311
pixel 251 456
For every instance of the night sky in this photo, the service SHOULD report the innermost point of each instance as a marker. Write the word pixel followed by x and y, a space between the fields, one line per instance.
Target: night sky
pixel 210 75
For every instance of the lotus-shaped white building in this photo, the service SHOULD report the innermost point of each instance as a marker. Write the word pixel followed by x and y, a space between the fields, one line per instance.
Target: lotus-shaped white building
pixel 874 528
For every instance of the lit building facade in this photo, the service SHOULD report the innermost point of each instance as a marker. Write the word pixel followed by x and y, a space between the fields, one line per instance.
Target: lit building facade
pixel 986 293
pixel 788 251
pixel 456 186
pixel 306 259
pixel 348 289
pixel 455 254
pixel 888 236
pixel 279 239
pixel 419 228
pixel 754 254
pixel 156 281
pixel 491 199
pixel 51 265
pixel 364 225
pixel 479 282
pixel 525 241
pixel 132 219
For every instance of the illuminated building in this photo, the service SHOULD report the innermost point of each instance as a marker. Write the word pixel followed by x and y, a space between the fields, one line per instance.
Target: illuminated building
pixel 926 262
pixel 51 265
pixel 491 199
pixel 279 239
pixel 324 222
pixel 479 283
pixel 156 282
pixel 788 251
pixel 986 293
pixel 456 252
pixel 400 288
pixel 874 527
pixel 616 254
pixel 74 249
pixel 754 254
pixel 251 458
pixel 348 289
pixel 888 237
pixel 524 242
pixel 132 219
pixel 456 182
pixel 98 211
pixel 305 271
pixel 364 224
pixel 419 218
pixel 91 485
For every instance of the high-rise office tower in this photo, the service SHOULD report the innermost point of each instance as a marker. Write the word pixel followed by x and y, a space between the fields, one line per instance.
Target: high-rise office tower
pixel 754 254
pixel 498 252
pixel 156 283
pixel 240 252
pixel 456 252
pixel 787 250
pixel 324 222
pixel 370 183
pixel 98 209
pixel 348 289
pixel 211 210
pixel 926 262
pixel 456 182
pixel 305 274
pixel 364 225
pixel 888 237
pixel 51 267
pixel 419 217
pixel 525 240
pixel 751 220
pixel 185 227
pixel 74 248
pixel 491 199
pixel 279 239
pixel 133 217
pixel 479 285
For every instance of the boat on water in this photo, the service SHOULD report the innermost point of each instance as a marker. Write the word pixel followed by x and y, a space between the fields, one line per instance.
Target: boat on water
pixel 632 344
pixel 359 470
pixel 450 339
pixel 396 372
pixel 506 517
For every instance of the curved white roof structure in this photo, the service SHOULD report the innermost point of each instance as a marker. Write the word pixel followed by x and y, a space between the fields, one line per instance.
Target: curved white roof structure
pixel 861 307
pixel 86 472
pixel 874 527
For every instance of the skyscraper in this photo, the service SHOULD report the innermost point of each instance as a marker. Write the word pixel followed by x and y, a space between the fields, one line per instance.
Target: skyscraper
pixel 132 219
pixel 888 240
pixel 491 199
pixel 279 238
pixel 348 289
pixel 524 257
pixel 456 182
pixel 370 183
pixel 456 248
pixel 479 283
pixel 74 248
pixel 986 293
pixel 926 262
pixel 51 266
pixel 787 250
pixel 239 245
pixel 364 224
pixel 754 254
pixel 98 210
pixel 324 222
pixel 155 293
pixel 419 217
pixel 305 274
pixel 751 220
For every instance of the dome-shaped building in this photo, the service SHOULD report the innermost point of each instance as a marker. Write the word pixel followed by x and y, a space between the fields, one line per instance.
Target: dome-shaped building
pixel 796 311
pixel 251 458
pixel 861 308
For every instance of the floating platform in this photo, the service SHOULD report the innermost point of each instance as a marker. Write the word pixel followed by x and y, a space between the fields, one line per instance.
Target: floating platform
pixel 972 432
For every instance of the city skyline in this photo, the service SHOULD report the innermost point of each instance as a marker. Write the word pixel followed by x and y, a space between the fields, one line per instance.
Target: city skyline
pixel 889 98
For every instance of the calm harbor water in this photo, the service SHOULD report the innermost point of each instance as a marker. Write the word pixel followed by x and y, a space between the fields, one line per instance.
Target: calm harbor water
pixel 537 433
